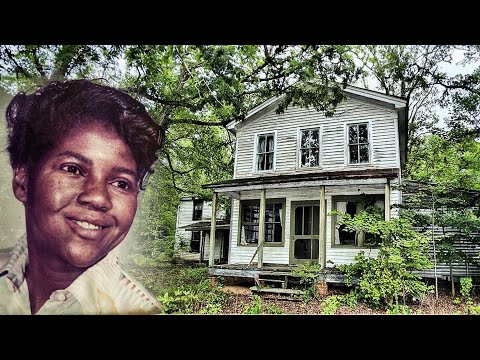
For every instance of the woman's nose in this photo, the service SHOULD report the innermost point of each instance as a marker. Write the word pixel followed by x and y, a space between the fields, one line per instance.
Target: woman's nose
pixel 95 195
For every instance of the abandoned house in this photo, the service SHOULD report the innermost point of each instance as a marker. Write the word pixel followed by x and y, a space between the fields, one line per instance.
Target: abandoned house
pixel 292 169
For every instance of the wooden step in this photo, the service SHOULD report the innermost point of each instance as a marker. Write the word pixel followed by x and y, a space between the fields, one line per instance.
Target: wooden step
pixel 278 281
pixel 276 290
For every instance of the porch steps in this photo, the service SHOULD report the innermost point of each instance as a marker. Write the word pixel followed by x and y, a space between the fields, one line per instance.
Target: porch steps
pixel 276 290
pixel 282 283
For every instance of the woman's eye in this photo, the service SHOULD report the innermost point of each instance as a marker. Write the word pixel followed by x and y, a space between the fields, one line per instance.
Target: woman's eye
pixel 121 184
pixel 72 169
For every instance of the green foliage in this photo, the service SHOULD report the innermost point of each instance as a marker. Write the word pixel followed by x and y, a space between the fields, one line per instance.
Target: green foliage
pixel 466 288
pixel 383 280
pixel 258 307
pixel 399 309
pixel 445 203
pixel 366 221
pixel 448 164
pixel 194 296
pixel 155 226
pixel 308 272
pixel 330 305
pixel 350 299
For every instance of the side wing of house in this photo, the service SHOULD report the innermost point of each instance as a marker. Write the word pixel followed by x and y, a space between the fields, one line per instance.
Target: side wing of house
pixel 295 168
pixel 193 227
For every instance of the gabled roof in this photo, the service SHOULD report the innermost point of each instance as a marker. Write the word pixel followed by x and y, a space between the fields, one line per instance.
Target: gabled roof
pixel 395 102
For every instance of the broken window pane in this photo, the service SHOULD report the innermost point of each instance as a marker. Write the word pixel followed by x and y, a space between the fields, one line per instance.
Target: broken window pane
pixel 352 134
pixel 353 154
pixel 363 133
pixel 302 249
pixel 364 158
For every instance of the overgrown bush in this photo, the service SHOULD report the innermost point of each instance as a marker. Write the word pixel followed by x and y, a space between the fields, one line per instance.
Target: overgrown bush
pixel 194 298
pixel 390 277
pixel 258 307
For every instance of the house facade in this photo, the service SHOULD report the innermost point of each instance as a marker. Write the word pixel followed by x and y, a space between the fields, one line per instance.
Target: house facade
pixel 293 169
pixel 192 235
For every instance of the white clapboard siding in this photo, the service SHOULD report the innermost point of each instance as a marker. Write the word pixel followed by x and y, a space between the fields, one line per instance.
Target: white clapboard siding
pixel 185 215
pixel 241 254
pixel 384 150
pixel 218 244
pixel 471 249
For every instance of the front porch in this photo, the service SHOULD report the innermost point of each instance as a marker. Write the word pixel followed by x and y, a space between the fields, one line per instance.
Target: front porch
pixel 269 274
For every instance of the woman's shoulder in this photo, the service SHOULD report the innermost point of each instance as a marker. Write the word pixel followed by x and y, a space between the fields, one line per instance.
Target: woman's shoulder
pixel 138 298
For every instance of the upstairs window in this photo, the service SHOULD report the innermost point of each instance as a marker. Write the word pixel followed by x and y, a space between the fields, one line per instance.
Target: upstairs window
pixel 265 152
pixel 197 209
pixel 358 144
pixel 309 148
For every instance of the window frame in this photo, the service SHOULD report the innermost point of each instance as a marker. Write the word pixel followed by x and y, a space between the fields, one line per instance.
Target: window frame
pixel 347 143
pixel 299 148
pixel 199 241
pixel 197 201
pixel 255 154
pixel 282 221
pixel 348 198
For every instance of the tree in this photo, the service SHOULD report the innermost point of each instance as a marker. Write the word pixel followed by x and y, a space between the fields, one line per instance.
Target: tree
pixel 193 92
pixel 415 73
pixel 446 163
pixel 24 66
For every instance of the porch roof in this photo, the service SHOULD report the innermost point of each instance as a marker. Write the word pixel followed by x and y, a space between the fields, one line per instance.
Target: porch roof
pixel 205 225
pixel 365 176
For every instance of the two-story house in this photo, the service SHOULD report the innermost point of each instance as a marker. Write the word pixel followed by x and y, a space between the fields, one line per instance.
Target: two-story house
pixel 292 169
pixel 192 237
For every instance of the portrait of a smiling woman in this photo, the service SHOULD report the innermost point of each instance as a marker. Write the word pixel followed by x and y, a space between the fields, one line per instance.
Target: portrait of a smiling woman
pixel 80 152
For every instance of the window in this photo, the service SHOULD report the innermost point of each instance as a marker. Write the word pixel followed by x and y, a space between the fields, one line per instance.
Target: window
pixel 195 242
pixel 197 209
pixel 265 152
pixel 358 146
pixel 353 205
pixel 309 148
pixel 251 217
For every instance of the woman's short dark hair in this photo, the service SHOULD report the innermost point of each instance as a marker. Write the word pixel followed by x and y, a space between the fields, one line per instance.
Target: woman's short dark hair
pixel 38 121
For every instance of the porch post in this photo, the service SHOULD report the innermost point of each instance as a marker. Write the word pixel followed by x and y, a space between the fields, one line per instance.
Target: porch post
pixel 261 227
pixel 387 200
pixel 323 228
pixel 212 230
pixel 202 244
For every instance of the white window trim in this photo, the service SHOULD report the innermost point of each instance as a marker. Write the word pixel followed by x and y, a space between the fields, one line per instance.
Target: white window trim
pixel 370 143
pixel 320 148
pixel 254 162
pixel 397 145
pixel 236 157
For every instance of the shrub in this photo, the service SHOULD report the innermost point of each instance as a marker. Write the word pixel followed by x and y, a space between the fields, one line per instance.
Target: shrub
pixel 390 277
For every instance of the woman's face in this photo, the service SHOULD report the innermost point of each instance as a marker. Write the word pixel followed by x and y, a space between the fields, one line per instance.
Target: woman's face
pixel 82 198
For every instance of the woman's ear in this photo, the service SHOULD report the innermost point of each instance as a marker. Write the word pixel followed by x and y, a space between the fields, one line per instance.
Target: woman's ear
pixel 20 182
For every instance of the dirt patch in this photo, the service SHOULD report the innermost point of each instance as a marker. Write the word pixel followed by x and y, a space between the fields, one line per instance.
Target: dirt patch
pixel 237 290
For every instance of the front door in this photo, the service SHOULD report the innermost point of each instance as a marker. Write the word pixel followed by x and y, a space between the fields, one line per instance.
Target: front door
pixel 305 230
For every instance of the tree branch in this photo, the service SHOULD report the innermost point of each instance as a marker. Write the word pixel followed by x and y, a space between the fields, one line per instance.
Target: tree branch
pixel 18 68
pixel 173 169
pixel 199 122
pixel 143 92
